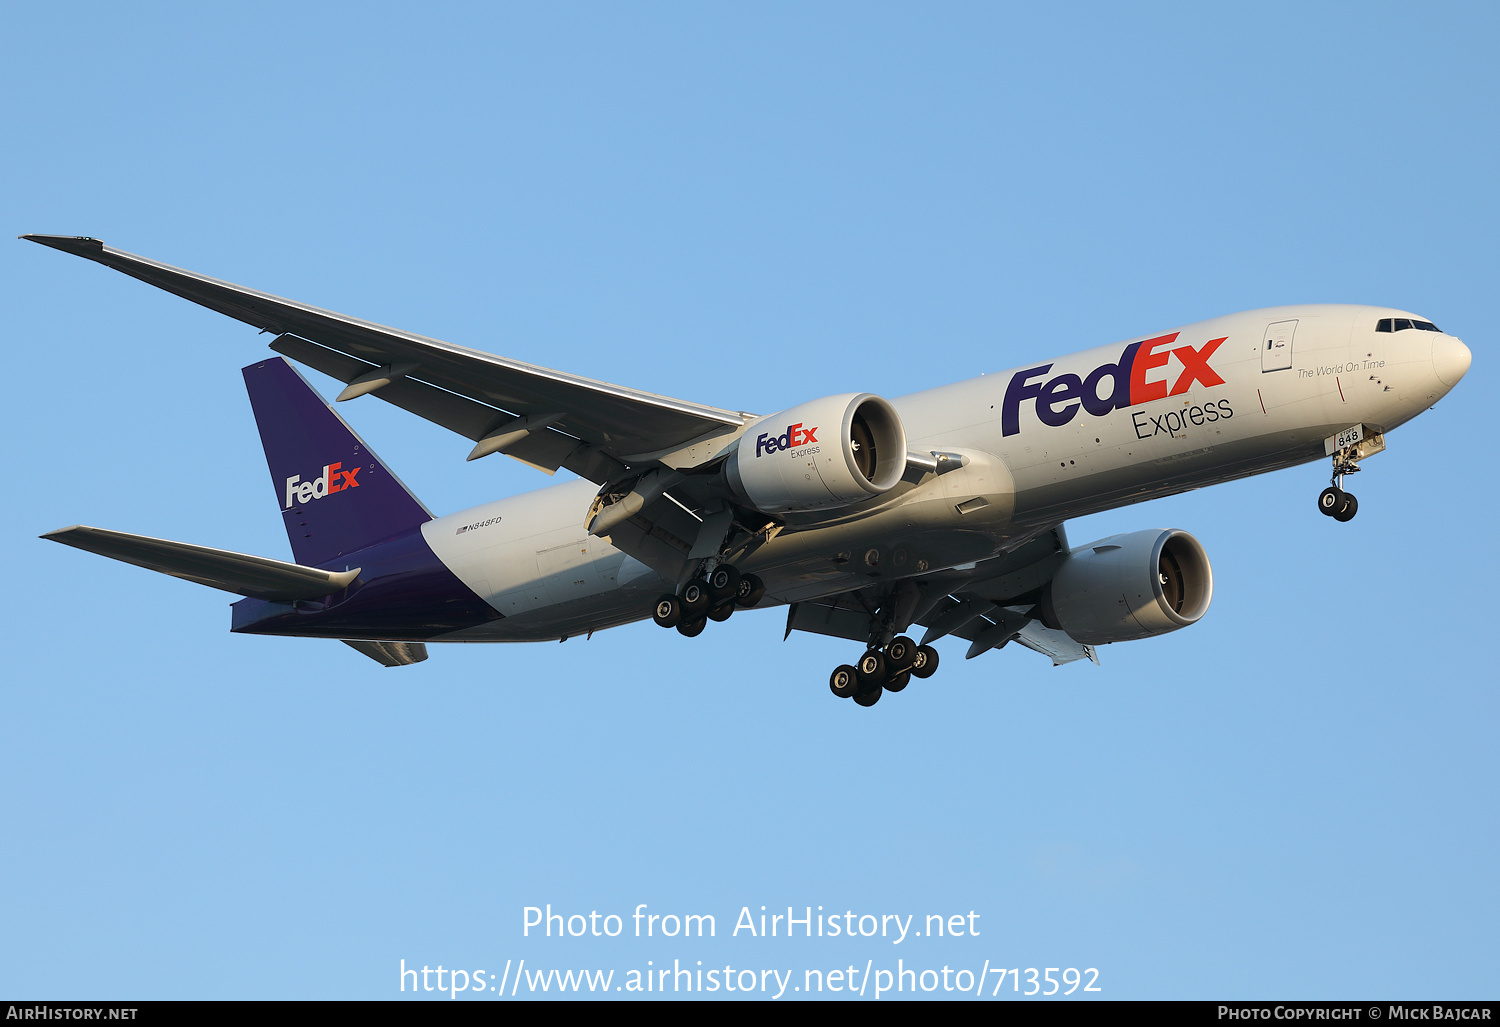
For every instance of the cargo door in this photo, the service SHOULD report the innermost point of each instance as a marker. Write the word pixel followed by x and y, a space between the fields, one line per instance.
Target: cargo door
pixel 568 571
pixel 1276 346
pixel 514 567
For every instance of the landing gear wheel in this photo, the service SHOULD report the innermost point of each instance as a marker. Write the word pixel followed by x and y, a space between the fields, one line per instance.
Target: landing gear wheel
pixel 842 682
pixel 692 628
pixel 695 597
pixel 722 611
pixel 898 681
pixel 870 670
pixel 1334 501
pixel 900 655
pixel 668 611
pixel 926 662
pixel 869 698
pixel 749 591
pixel 723 581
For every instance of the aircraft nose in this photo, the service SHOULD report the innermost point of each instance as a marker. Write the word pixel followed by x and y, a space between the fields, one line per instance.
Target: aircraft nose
pixel 1450 359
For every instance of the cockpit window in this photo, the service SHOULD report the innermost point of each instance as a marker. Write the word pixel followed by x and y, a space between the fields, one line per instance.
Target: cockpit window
pixel 1401 324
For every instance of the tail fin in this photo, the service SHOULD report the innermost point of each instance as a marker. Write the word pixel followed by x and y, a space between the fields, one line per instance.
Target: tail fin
pixel 334 494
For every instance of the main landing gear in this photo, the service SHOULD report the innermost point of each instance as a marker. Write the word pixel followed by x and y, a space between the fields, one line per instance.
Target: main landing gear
pixel 887 669
pixel 713 596
pixel 1334 501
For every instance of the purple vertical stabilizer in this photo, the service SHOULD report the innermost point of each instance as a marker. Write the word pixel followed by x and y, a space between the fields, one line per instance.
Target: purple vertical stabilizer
pixel 334 494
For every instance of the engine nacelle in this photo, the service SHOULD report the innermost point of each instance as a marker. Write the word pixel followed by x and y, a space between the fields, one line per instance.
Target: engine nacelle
pixel 1130 586
pixel 820 455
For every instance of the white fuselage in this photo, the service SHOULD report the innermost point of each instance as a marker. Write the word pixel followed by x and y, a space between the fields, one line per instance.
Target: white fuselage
pixel 1280 382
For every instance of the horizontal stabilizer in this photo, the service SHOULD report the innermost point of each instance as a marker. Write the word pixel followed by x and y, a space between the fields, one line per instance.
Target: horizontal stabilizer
pixel 254 576
pixel 390 654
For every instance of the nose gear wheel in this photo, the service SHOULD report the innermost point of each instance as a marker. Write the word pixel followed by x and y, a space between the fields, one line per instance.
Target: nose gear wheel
pixel 1338 504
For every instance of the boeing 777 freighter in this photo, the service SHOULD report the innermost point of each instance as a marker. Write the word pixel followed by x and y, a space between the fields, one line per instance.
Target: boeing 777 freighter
pixel 862 516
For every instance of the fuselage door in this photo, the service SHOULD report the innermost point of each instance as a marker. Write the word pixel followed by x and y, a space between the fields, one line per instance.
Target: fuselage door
pixel 1276 346
pixel 568 571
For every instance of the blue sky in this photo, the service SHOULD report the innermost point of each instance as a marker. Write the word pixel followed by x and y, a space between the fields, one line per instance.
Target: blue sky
pixel 746 207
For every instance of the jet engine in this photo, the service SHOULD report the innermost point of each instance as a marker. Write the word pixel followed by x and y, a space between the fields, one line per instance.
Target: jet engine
pixel 820 455
pixel 1129 586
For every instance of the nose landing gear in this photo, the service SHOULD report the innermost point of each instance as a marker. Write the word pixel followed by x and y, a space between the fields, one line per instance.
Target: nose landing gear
pixel 1347 448
pixel 1334 501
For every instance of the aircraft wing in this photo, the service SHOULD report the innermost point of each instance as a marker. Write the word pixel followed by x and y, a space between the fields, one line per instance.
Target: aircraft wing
pixel 546 418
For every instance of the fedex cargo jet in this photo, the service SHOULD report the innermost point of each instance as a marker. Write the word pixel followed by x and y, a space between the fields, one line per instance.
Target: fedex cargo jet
pixel 864 517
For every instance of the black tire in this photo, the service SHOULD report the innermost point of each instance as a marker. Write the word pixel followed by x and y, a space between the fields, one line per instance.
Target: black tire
pixel 842 682
pixel 721 612
pixel 898 681
pixel 750 591
pixel 668 611
pixel 1347 509
pixel 692 628
pixel 900 654
pixel 1329 501
pixel 870 670
pixel 723 581
pixel 927 662
pixel 695 597
pixel 869 698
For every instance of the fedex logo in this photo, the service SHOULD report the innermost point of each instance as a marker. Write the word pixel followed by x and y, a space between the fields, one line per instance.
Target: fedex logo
pixel 795 435
pixel 1132 382
pixel 333 480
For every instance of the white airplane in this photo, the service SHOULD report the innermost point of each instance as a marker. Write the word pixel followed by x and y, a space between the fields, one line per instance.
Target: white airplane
pixel 862 516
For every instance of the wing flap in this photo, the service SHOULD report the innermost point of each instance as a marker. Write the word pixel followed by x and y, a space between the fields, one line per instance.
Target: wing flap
pixel 1056 644
pixel 255 576
pixel 456 413
pixel 545 449
pixel 389 654
pixel 830 618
